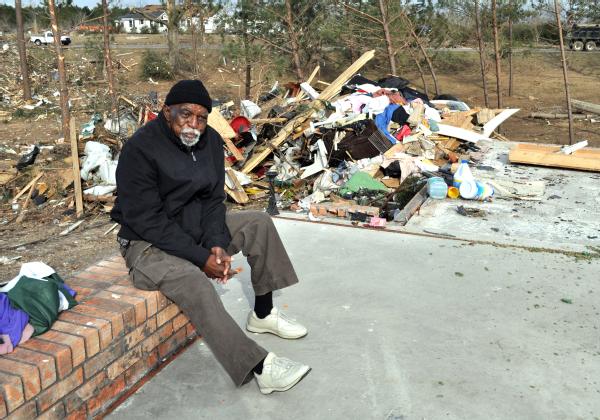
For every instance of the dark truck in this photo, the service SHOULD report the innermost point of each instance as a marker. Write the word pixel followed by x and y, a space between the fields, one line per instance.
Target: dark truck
pixel 584 36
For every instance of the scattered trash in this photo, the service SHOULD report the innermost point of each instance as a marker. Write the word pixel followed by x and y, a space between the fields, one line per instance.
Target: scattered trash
pixel 28 158
pixel 566 300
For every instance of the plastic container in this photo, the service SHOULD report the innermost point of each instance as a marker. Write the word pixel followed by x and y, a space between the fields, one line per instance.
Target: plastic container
pixel 453 192
pixel 484 191
pixel 437 188
pixel 463 173
pixel 468 189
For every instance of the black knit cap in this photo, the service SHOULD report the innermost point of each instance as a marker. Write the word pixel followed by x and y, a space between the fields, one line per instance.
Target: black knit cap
pixel 189 92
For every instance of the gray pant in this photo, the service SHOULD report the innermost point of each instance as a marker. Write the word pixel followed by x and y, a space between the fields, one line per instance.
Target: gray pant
pixel 184 283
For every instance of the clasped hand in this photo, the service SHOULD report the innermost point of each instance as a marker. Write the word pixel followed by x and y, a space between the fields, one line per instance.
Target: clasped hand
pixel 218 265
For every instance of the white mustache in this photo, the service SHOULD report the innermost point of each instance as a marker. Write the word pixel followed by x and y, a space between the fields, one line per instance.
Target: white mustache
pixel 186 135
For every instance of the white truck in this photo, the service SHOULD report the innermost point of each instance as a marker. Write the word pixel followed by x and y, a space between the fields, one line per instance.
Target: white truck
pixel 47 38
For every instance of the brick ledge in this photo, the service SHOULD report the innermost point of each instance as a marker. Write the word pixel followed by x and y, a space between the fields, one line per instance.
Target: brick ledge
pixel 96 352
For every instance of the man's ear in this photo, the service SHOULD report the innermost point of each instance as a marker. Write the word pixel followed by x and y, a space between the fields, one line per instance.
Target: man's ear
pixel 167 112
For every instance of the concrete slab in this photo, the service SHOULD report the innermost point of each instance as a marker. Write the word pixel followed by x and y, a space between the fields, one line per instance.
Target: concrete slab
pixel 408 327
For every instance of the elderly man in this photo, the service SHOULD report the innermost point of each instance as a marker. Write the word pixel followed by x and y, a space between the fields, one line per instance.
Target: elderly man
pixel 176 236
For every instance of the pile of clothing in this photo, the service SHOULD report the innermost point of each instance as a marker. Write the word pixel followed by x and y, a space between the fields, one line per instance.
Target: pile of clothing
pixel 30 304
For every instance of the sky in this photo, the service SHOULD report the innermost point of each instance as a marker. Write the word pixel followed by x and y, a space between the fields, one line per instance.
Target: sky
pixel 89 3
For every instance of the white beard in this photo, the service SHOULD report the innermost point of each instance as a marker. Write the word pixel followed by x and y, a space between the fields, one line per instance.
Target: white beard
pixel 189 136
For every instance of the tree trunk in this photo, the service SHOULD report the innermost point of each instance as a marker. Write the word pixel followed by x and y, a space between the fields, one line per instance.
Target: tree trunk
pixel 22 52
pixel 510 51
pixel 481 45
pixel 295 46
pixel 419 69
pixel 388 37
pixel 172 38
pixel 246 43
pixel 108 60
pixel 422 49
pixel 496 52
pixel 62 75
pixel 565 73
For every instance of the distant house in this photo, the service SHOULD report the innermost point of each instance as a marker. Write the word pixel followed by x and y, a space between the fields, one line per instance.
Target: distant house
pixel 153 18
pixel 143 20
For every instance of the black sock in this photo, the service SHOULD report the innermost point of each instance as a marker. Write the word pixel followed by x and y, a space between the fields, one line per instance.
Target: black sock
pixel 258 368
pixel 263 305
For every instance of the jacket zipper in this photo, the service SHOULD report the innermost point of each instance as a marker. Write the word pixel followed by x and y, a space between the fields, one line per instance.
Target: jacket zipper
pixel 192 153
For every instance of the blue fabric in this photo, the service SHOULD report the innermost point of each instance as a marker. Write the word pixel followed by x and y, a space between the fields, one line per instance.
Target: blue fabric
pixel 12 320
pixel 383 120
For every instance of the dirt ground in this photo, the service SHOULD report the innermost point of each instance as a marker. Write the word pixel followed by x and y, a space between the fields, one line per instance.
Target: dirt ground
pixel 537 88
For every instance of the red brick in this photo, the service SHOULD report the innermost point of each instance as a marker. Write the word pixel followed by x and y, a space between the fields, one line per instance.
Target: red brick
pixel 141 332
pixel 79 414
pixel 89 335
pixel 172 343
pixel 115 319
pixel 57 391
pixel 124 362
pixel 54 413
pixel 100 278
pixel 114 265
pixel 29 375
pixel 83 293
pixel 3 409
pixel 94 281
pixel 25 412
pixel 44 363
pixel 190 330
pixel 149 296
pixel 139 304
pixel 106 395
pixel 101 325
pixel 109 271
pixel 162 301
pixel 75 343
pixel 104 358
pixel 92 386
pixel 85 283
pixel 12 389
pixel 126 310
pixel 140 368
pixel 179 321
pixel 60 353
pixel 167 314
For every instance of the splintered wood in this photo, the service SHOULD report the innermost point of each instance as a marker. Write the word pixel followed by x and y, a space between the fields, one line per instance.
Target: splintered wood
pixel 534 154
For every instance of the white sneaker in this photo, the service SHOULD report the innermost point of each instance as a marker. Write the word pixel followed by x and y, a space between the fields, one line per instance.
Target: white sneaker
pixel 276 323
pixel 279 374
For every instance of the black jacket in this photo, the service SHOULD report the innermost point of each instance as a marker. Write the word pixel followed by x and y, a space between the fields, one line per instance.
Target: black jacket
pixel 171 195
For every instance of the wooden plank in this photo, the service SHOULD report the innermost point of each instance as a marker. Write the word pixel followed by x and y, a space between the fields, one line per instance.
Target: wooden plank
pixel 27 187
pixel 412 206
pixel 76 170
pixel 586 106
pixel 219 123
pixel 329 92
pixel 531 154
pixel 234 150
pixel 237 192
pixel 309 81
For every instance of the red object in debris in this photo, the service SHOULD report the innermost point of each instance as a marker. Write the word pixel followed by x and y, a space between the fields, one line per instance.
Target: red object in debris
pixel 403 132
pixel 240 124
pixel 151 115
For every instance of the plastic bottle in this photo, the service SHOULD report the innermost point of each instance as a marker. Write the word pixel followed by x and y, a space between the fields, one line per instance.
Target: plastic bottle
pixel 437 188
pixel 463 173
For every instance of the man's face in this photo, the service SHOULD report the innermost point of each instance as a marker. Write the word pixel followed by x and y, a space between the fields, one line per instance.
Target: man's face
pixel 188 121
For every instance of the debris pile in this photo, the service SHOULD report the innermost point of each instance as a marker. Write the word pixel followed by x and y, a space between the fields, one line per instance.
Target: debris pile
pixel 359 149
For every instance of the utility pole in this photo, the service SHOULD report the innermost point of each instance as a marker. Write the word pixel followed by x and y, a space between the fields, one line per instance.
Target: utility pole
pixel 563 60
pixel 22 51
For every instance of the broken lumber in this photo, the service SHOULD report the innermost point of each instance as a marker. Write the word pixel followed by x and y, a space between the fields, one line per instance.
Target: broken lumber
pixel 237 191
pixel 586 106
pixel 412 206
pixel 329 92
pixel 76 170
pixel 535 154
pixel 556 116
